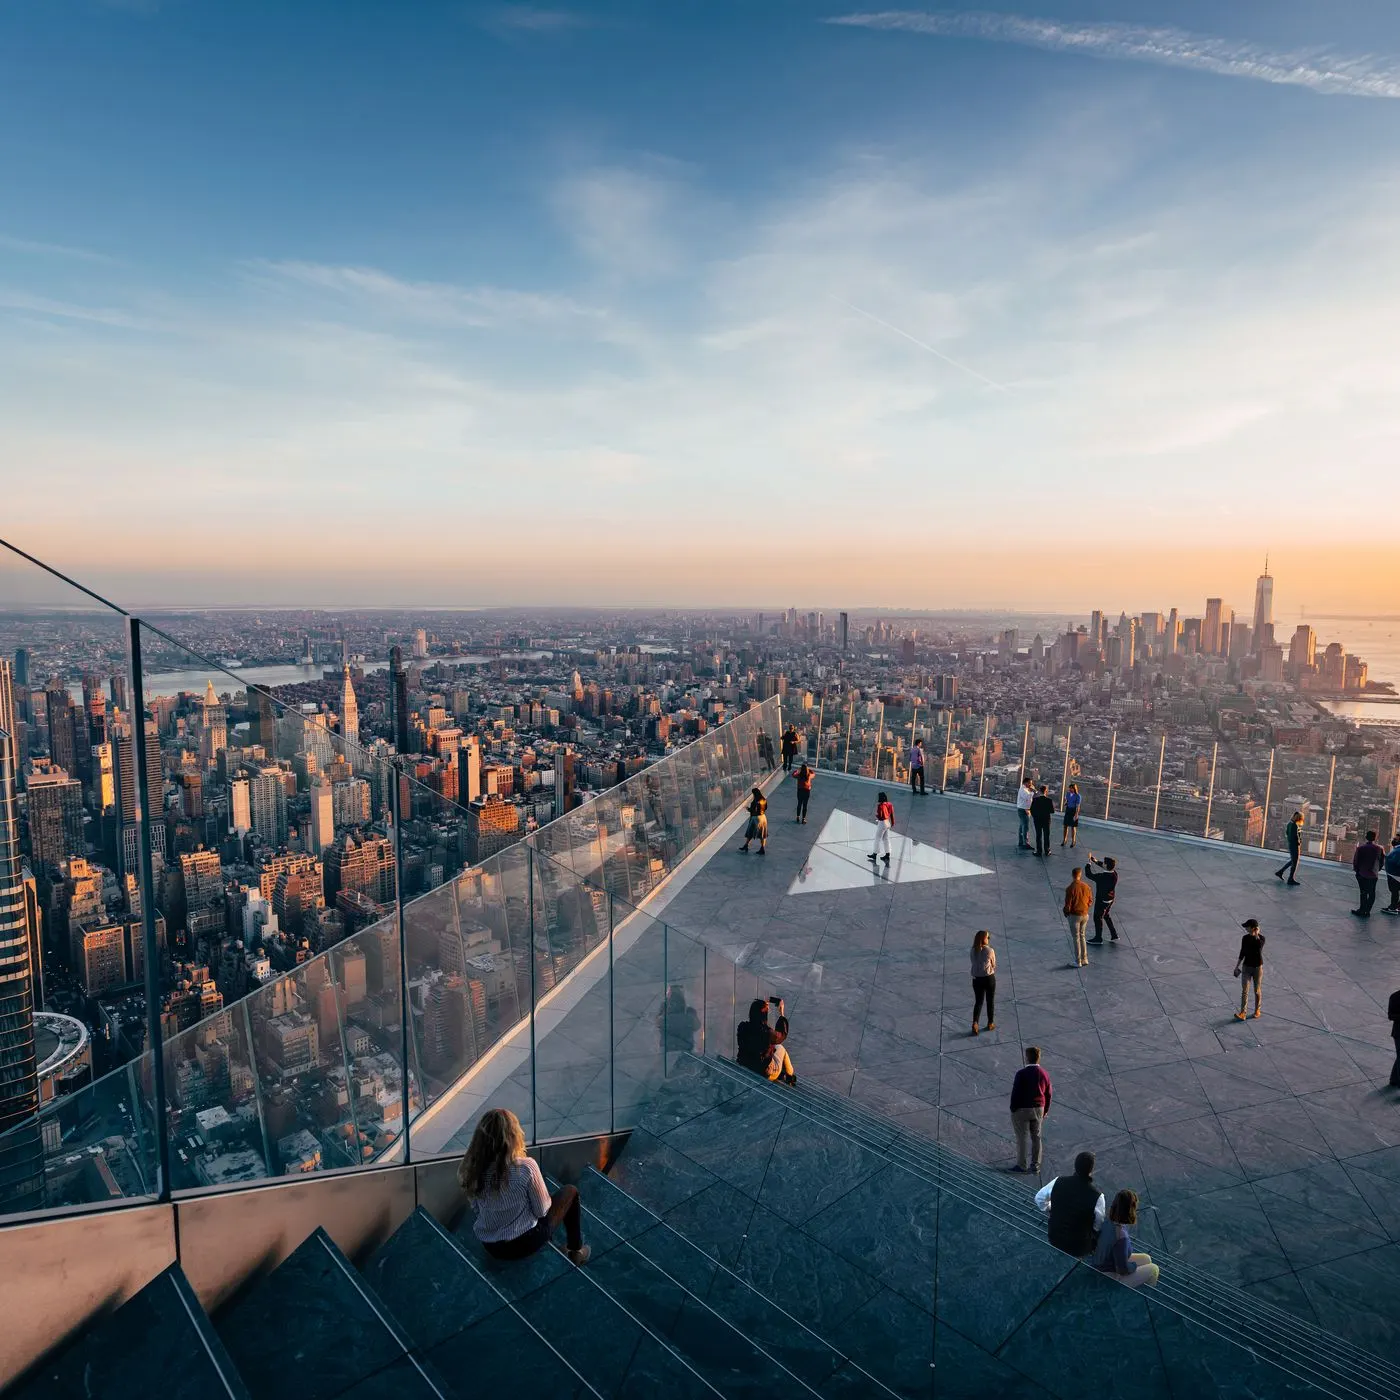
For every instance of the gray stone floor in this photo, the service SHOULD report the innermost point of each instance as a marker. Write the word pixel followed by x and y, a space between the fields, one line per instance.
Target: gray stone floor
pixel 1266 1151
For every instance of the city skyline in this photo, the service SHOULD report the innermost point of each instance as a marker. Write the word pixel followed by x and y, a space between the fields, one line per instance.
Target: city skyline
pixel 957 275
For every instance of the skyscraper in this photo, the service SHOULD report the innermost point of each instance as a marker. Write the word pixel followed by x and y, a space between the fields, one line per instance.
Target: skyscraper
pixel 128 793
pixel 213 738
pixel 322 815
pixel 845 630
pixel 469 770
pixel 349 713
pixel 1302 650
pixel 1210 627
pixel 1172 643
pixel 1263 607
pixel 63 738
pixel 21 1153
pixel 262 712
pixel 21 666
pixel 55 817
pixel 398 679
pixel 9 719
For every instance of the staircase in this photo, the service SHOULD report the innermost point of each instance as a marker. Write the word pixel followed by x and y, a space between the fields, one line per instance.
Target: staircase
pixel 751 1240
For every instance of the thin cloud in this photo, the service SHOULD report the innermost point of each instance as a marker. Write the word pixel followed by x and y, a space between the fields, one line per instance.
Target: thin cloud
pixel 531 20
pixel 39 248
pixel 1316 69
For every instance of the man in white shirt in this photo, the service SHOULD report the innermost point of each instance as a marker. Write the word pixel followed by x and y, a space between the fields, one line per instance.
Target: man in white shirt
pixel 1075 1206
pixel 1023 814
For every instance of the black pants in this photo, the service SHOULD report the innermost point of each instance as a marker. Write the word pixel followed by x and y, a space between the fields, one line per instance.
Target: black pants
pixel 1394 885
pixel 1367 884
pixel 1103 915
pixel 1042 838
pixel 1290 865
pixel 564 1207
pixel 787 760
pixel 804 796
pixel 1395 1068
pixel 984 987
pixel 916 780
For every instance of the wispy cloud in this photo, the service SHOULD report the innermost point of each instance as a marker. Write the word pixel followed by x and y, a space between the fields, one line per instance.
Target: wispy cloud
pixel 41 249
pixel 530 19
pixel 1362 75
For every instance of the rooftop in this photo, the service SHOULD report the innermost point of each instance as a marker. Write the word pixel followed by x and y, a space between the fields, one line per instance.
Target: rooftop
pixel 1267 1152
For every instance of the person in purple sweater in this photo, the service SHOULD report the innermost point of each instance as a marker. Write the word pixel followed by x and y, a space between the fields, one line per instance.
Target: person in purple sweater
pixel 1366 864
pixel 1030 1104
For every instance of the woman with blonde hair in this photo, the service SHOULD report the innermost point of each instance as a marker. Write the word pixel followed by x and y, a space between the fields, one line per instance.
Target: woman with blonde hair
pixel 984 978
pixel 514 1213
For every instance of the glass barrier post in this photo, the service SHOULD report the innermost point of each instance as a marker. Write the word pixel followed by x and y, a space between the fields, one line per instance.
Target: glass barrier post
pixel 1157 799
pixel 850 720
pixel 1108 791
pixel 982 770
pixel 1268 793
pixel 396 816
pixel 1210 791
pixel 268 1161
pixel 879 734
pixel 947 745
pixel 1327 811
pixel 704 999
pixel 821 711
pixel 1064 772
pixel 612 1028
pixel 530 925
pixel 1025 744
pixel 665 997
pixel 1395 808
pixel 144 778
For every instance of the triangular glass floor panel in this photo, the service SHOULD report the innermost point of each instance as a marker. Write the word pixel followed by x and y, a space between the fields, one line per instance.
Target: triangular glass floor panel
pixel 840 860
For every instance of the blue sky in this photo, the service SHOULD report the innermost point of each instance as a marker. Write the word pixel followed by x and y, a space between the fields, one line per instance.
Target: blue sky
pixel 700 302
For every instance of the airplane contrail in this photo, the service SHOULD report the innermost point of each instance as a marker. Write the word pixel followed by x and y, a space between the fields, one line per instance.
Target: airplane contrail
pixel 922 344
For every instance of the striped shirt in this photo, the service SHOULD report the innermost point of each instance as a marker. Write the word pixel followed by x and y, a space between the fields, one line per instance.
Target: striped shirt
pixel 515 1206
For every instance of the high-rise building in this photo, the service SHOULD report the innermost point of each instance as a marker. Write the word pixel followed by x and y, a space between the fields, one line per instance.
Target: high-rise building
pixel 21 1153
pixel 469 770
pixel 213 738
pixel 349 714
pixel 1210 627
pixel 240 807
pixel 322 815
pixel 262 717
pixel 21 667
pixel 365 866
pixel 492 825
pixel 1172 642
pixel 1263 606
pixel 420 644
pixel 1334 666
pixel 9 715
pixel 116 689
pixel 1302 650
pixel 202 875
pixel 63 734
pixel 267 804
pixel 1098 630
pixel 1271 662
pixel 128 793
pixel 55 817
pixel 104 778
pixel 398 695
pixel 845 626
pixel 563 780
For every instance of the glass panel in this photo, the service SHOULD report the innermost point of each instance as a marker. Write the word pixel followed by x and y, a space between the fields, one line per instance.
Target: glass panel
pixel 683 1026
pixel 1005 746
pixel 572 1084
pixel 639 997
pixel 72 1128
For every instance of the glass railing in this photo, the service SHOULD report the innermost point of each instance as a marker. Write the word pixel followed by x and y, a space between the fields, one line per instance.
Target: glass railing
pixel 341 942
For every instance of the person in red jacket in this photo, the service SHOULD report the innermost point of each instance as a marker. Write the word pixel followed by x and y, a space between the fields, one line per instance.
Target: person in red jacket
pixel 884 824
pixel 1030 1104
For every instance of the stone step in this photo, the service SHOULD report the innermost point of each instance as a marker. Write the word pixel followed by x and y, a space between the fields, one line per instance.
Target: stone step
pixel 161 1332
pixel 312 1330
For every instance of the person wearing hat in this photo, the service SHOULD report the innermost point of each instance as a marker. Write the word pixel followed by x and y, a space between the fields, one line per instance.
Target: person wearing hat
pixel 1249 966
pixel 1294 832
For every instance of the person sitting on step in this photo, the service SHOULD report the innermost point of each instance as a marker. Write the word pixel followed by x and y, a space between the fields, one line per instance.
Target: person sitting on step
pixel 1115 1254
pixel 515 1215
pixel 760 1047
